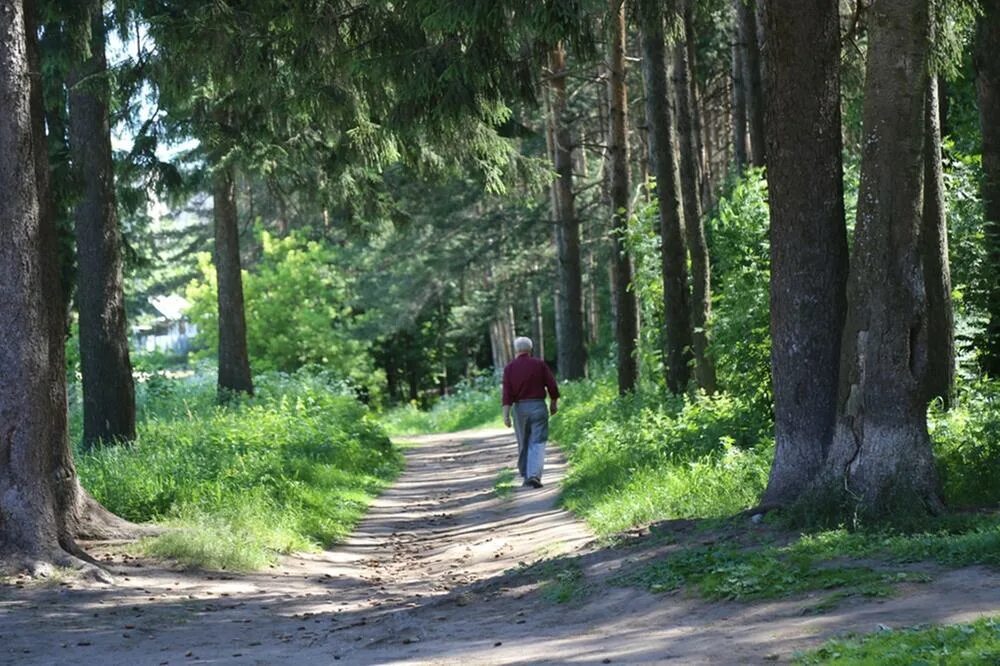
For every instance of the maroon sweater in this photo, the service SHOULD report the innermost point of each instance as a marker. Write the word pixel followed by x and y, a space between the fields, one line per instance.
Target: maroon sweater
pixel 527 378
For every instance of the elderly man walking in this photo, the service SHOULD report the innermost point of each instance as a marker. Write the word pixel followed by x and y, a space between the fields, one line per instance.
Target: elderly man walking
pixel 525 382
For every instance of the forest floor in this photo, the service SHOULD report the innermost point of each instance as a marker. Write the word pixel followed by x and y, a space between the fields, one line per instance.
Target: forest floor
pixel 453 564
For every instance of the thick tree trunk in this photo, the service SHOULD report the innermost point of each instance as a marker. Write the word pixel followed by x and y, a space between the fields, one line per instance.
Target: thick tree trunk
pixel 934 250
pixel 108 389
pixel 701 306
pixel 538 326
pixel 808 235
pixel 621 208
pixel 502 337
pixel 741 149
pixel 677 305
pixel 42 506
pixel 746 27
pixel 234 361
pixel 988 90
pixel 571 353
pixel 880 463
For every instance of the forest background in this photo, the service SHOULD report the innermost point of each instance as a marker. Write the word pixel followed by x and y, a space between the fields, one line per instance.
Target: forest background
pixel 365 202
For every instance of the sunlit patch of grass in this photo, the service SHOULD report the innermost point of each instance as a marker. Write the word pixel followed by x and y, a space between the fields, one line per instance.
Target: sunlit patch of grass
pixel 560 580
pixel 957 644
pixel 473 405
pixel 291 469
pixel 503 486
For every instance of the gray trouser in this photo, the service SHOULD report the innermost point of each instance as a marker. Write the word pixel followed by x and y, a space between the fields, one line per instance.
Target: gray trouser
pixel 531 425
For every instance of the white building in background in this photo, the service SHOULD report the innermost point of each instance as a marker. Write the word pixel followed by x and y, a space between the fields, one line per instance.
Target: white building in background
pixel 171 331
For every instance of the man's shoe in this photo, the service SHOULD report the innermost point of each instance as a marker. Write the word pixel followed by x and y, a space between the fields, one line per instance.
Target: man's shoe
pixel 534 482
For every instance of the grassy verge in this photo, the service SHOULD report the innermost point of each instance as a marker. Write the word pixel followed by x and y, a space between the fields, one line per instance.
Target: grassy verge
pixel 641 459
pixel 504 484
pixel 957 644
pixel 473 405
pixel 290 469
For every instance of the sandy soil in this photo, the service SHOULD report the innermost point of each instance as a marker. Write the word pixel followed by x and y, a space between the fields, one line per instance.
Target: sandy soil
pixel 437 574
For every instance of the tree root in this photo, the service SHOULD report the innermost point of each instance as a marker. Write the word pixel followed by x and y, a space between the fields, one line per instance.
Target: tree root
pixel 45 563
pixel 95 523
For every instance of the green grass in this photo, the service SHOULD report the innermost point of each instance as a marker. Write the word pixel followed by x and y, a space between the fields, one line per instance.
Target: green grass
pixel 728 572
pixel 560 580
pixel 641 459
pixel 958 644
pixel 473 405
pixel 504 484
pixel 293 468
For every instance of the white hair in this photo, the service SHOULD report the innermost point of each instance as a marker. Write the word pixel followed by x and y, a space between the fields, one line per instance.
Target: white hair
pixel 522 344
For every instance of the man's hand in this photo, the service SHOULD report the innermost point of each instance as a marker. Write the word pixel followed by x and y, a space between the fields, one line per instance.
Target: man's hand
pixel 506 415
pixel 506 421
pixel 553 407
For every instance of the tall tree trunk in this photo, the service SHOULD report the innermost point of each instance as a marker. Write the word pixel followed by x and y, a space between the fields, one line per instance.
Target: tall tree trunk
pixel 234 361
pixel 621 208
pixel 988 92
pixel 704 166
pixel 108 389
pixel 746 26
pixel 808 235
pixel 701 307
pixel 880 462
pixel 42 506
pixel 677 306
pixel 741 149
pixel 538 326
pixel 934 250
pixel 572 356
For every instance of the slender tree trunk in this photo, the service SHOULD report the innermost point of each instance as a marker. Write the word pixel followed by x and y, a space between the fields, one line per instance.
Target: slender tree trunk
pixel 538 326
pixel 934 250
pixel 808 236
pixel 741 149
pixel 677 306
pixel 746 25
pixel 880 462
pixel 988 92
pixel 108 390
pixel 704 175
pixel 234 361
pixel 572 355
pixel 701 307
pixel 621 209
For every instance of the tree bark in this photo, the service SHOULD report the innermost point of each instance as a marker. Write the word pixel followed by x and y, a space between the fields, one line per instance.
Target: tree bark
pixel 746 26
pixel 880 463
pixel 704 166
pixel 234 361
pixel 108 389
pixel 571 353
pixel 538 326
pixel 677 306
pixel 809 254
pixel 988 93
pixel 621 208
pixel 701 306
pixel 41 502
pixel 741 149
pixel 934 250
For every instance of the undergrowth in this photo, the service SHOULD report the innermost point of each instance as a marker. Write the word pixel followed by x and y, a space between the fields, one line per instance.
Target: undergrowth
pixel 957 644
pixel 292 468
pixel 474 404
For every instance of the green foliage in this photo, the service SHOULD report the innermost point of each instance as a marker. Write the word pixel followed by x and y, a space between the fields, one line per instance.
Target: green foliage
pixel 291 468
pixel 957 644
pixel 638 459
pixel 560 580
pixel 474 404
pixel 740 250
pixel 967 445
pixel 299 308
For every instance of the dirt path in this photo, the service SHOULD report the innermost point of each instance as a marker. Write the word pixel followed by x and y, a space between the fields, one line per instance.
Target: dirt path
pixel 436 574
